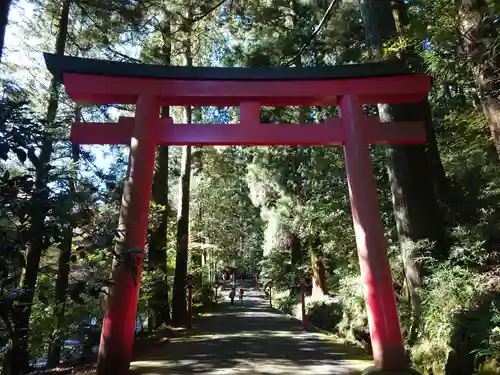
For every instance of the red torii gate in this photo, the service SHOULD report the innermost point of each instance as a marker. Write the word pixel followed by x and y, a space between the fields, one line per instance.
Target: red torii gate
pixel 152 86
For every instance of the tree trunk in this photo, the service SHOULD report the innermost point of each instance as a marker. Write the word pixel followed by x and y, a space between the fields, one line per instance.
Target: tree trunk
pixel 54 355
pixel 18 362
pixel 181 261
pixel 471 25
pixel 159 307
pixel 296 250
pixel 442 188
pixel 417 213
pixel 319 285
pixel 4 20
pixel 157 258
pixel 179 307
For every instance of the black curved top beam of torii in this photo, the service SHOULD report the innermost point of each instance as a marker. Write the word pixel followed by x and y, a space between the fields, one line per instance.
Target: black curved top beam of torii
pixel 103 82
pixel 59 65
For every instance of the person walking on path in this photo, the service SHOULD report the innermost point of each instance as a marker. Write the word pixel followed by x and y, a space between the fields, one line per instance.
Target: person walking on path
pixel 241 294
pixel 232 294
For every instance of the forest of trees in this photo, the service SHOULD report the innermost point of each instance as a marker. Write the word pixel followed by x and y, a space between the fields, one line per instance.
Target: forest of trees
pixel 277 210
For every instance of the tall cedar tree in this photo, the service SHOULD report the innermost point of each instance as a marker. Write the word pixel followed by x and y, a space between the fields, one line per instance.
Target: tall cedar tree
pixel 157 259
pixel 179 309
pixel 475 28
pixel 62 282
pixel 417 213
pixel 17 361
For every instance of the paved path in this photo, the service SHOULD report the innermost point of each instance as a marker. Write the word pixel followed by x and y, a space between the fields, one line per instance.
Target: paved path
pixel 249 339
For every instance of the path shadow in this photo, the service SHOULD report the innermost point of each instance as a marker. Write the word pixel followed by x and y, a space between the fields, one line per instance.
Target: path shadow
pixel 249 339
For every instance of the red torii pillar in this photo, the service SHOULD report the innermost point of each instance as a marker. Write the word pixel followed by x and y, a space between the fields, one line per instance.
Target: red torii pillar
pixel 385 333
pixel 143 133
pixel 118 327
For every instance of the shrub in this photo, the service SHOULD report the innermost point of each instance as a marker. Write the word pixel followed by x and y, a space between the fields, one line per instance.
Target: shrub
pixel 287 302
pixel 354 323
pixel 487 355
pixel 429 357
pixel 449 296
pixel 324 313
pixel 203 297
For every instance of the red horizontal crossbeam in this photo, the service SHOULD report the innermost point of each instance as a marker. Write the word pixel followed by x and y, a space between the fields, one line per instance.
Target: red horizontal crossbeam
pixel 94 89
pixel 255 135
pixel 168 133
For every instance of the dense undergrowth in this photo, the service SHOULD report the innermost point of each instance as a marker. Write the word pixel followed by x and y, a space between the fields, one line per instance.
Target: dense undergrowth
pixel 459 330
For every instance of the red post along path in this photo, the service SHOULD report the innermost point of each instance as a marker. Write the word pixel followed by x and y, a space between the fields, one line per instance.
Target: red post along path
pixel 303 301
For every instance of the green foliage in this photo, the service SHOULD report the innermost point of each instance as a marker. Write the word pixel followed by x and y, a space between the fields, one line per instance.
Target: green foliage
pixel 461 288
pixel 324 314
pixel 451 312
pixel 354 319
pixel 492 344
pixel 203 297
pixel 287 302
pixel 277 271
pixel 224 220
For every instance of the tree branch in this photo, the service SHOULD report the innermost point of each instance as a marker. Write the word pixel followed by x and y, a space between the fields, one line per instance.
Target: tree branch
pixel 122 55
pixel 201 16
pixel 315 32
pixel 99 27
